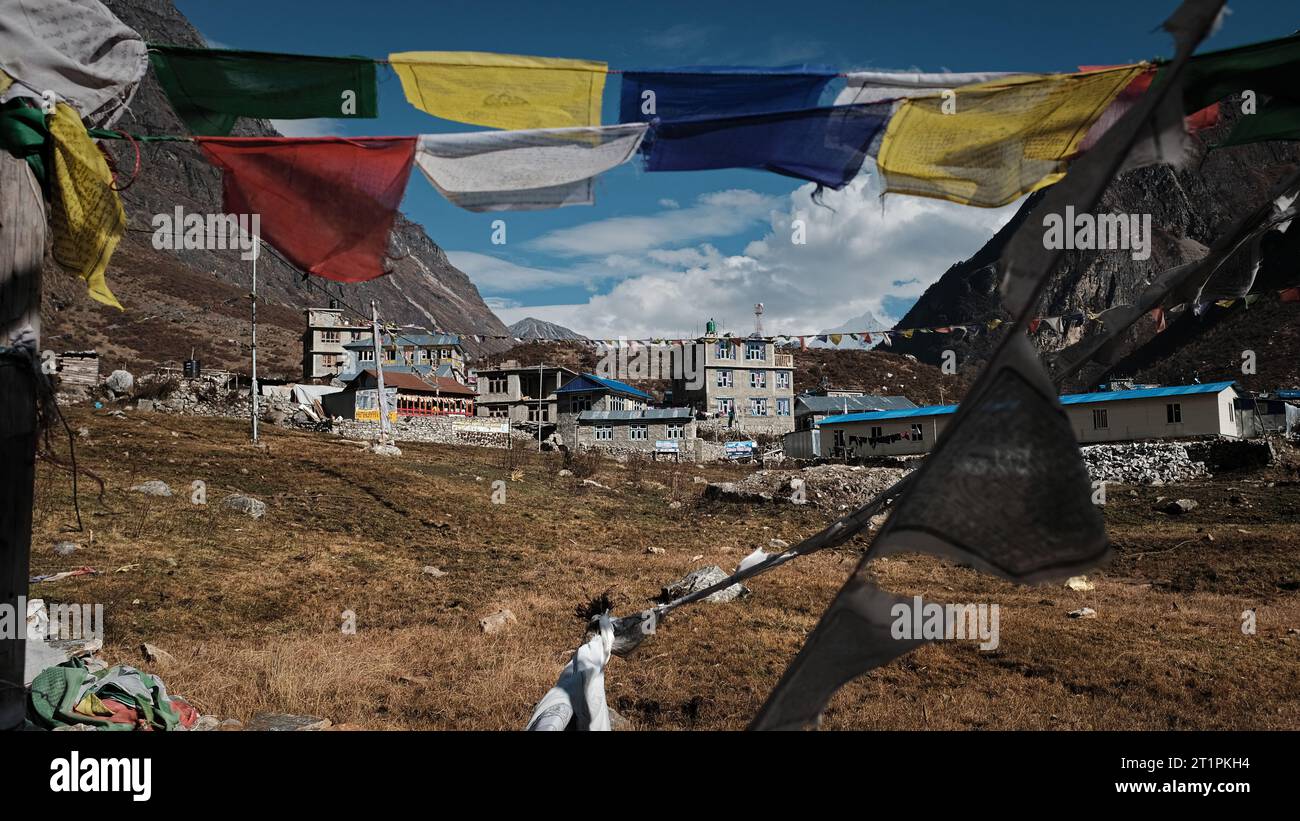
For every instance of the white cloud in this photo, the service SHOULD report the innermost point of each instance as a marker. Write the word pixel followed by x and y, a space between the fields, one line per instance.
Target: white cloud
pixel 719 214
pixel 669 203
pixel 852 258
pixel 494 274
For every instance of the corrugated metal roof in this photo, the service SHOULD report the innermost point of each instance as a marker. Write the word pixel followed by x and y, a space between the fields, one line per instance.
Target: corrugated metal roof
pixel 586 382
pixel 647 415
pixel 854 404
pixel 414 382
pixel 1069 399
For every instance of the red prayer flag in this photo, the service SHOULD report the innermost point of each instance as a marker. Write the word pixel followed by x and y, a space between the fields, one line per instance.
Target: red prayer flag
pixel 1158 314
pixel 326 203
pixel 1290 295
pixel 1033 325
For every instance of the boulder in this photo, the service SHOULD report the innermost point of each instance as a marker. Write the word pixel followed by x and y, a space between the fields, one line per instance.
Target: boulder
pixel 120 382
pixel 153 487
pixel 701 579
pixel 156 655
pixel 497 621
pixel 282 722
pixel 245 504
pixel 1177 507
pixel 385 450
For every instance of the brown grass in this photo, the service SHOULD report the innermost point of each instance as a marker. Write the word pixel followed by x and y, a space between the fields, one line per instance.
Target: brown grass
pixel 252 609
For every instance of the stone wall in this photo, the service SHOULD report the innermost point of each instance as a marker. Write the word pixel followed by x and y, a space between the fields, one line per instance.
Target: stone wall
pixel 441 430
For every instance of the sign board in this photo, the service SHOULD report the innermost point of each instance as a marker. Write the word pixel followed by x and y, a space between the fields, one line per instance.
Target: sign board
pixel 667 446
pixel 739 450
pixel 367 404
pixel 481 424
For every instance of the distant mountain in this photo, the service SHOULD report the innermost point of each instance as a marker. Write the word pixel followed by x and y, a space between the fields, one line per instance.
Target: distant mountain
pixel 865 322
pixel 530 328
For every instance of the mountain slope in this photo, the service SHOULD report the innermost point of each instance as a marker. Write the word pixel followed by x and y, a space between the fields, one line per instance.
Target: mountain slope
pixel 180 300
pixel 1189 209
pixel 531 328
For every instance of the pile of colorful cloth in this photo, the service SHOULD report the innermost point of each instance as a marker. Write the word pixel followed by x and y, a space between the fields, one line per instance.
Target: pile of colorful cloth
pixel 118 698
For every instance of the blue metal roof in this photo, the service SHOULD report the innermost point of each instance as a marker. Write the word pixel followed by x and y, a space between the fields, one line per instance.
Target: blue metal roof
pixel 1288 394
pixel 586 382
pixel 1069 399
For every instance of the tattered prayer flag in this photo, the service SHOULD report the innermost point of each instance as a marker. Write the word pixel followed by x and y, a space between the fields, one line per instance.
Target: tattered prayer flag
pixel 1268 70
pixel 1250 299
pixel 885 340
pixel 1290 295
pixel 1224 303
pixel 1002 140
pixel 1055 323
pixel 327 203
pixel 86 216
pixel 992 324
pixel 1033 325
pixel 502 90
pixel 524 170
pixel 878 86
pixel 823 145
pixel 719 91
pixel 835 338
pixel 1170 148
pixel 803 343
pixel 907 334
pixel 211 88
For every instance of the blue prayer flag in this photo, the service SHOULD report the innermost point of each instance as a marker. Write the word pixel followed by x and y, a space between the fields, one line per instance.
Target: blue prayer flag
pixel 720 91
pixel 823 145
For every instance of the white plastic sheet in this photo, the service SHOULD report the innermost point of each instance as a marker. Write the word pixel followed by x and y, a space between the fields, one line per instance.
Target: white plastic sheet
pixel 577 701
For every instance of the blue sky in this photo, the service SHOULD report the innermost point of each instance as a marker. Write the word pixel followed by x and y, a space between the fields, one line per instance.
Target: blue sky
pixel 659 253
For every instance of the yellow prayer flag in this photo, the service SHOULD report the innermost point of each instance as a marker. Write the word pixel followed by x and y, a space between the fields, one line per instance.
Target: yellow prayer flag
pixel 835 338
pixel 989 143
pixel 502 90
pixel 86 216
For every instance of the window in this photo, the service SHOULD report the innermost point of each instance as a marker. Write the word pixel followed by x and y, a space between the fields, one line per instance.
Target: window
pixel 757 407
pixel 877 431
pixel 758 379
pixel 724 379
pixel 498 411
pixel 578 404
pixel 724 349
pixel 498 384
pixel 783 407
pixel 637 433
pixel 1099 421
pixel 604 433
pixel 782 380
pixel 390 354
pixel 918 432
pixel 329 336
pixel 1174 413
pixel 368 355
pixel 539 414
pixel 725 406
pixel 676 431
pixel 839 439
pixel 755 351
pixel 422 355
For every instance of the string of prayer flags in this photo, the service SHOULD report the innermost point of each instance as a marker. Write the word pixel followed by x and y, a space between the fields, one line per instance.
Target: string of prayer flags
pixel 823 145
pixel 1267 69
pixel 506 91
pixel 524 170
pixel 991 143
pixel 86 215
pixel 719 91
pixel 326 203
pixel 211 88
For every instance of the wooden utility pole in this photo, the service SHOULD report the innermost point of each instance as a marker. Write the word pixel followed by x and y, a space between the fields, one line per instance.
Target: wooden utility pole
pixel 22 250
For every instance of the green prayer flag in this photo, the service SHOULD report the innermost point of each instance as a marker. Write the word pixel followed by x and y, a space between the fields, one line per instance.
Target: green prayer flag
pixel 210 88
pixel 1268 69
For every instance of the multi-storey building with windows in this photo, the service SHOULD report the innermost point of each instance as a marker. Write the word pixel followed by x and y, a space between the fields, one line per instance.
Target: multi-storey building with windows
pixel 744 382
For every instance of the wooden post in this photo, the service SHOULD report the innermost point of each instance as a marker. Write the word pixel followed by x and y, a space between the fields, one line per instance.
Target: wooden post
pixel 22 250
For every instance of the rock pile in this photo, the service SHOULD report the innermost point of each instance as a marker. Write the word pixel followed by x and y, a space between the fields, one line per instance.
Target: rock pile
pixel 422 429
pixel 1142 463
pixel 833 487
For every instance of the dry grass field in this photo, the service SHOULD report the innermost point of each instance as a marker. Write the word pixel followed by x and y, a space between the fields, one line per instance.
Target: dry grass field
pixel 252 608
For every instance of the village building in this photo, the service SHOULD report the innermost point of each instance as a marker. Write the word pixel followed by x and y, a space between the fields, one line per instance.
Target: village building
pixel 324 355
pixel 811 408
pixel 1182 411
pixel 438 355
pixel 650 430
pixel 521 394
pixel 408 394
pixel 742 382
